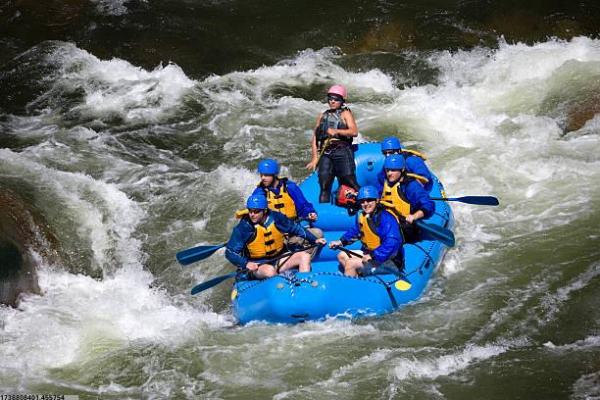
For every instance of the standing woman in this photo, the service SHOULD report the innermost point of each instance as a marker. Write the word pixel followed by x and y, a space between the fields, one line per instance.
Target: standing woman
pixel 332 144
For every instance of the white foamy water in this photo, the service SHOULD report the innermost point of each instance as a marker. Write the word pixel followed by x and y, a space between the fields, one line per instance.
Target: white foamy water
pixel 105 217
pixel 587 387
pixel 399 370
pixel 552 302
pixel 308 68
pixel 114 88
pixel 433 367
pixel 78 318
pixel 586 344
pixel 491 126
pixel 488 134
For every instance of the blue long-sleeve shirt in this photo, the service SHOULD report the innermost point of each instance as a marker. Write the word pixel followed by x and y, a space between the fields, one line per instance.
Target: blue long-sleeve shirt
pixel 414 165
pixel 387 229
pixel 235 250
pixel 303 206
pixel 418 197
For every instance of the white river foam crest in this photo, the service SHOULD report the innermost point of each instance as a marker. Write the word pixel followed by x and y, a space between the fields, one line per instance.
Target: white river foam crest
pixel 79 318
pixel 115 87
pixel 308 68
pixel 107 220
pixel 445 365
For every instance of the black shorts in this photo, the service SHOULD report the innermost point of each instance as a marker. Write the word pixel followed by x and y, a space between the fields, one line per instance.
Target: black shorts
pixel 410 232
pixel 375 268
pixel 269 260
pixel 338 162
pixel 250 274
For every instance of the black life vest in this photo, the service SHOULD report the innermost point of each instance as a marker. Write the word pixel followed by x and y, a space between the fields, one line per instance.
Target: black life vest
pixel 332 118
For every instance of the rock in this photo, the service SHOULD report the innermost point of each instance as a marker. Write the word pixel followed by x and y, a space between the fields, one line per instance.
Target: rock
pixel 581 112
pixel 23 233
pixel 391 36
pixel 17 273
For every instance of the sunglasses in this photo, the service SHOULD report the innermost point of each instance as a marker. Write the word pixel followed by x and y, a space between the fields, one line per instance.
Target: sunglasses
pixel 390 152
pixel 255 210
pixel 364 201
pixel 334 98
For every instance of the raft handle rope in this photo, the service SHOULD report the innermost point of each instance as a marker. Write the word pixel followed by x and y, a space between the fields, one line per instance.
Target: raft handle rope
pixel 388 289
pixel 425 264
pixel 423 250
pixel 289 255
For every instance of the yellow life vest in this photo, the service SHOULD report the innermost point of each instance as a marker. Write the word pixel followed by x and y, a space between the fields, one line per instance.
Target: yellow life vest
pixel 281 202
pixel 267 241
pixel 239 214
pixel 414 153
pixel 421 179
pixel 394 200
pixel 368 232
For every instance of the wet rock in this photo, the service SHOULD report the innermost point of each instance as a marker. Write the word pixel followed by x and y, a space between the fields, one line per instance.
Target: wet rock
pixel 573 97
pixel 53 13
pixel 17 273
pixel 25 242
pixel 391 36
pixel 581 112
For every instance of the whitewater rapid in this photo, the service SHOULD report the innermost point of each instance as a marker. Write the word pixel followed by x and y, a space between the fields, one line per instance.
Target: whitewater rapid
pixel 130 166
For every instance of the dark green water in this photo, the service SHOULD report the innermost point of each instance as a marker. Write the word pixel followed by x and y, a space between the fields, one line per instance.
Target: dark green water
pixel 133 129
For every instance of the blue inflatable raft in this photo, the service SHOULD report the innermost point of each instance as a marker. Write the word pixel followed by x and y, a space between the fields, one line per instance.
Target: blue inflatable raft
pixel 325 292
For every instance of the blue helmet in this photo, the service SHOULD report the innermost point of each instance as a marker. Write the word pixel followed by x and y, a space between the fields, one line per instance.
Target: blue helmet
pixel 256 202
pixel 268 167
pixel 367 192
pixel 395 161
pixel 390 143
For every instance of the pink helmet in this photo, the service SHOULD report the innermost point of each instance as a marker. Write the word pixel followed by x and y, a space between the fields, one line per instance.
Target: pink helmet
pixel 339 90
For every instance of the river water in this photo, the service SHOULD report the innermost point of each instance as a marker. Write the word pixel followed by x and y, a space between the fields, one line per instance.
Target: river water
pixel 134 128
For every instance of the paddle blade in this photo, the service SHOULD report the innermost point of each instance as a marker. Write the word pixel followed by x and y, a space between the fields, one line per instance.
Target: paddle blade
pixel 403 285
pixel 197 253
pixel 478 200
pixel 438 232
pixel 210 283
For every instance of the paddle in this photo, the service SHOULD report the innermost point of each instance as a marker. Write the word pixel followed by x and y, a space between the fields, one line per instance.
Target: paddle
pixel 349 252
pixel 215 281
pixel 438 232
pixel 442 234
pixel 401 284
pixel 189 256
pixel 479 200
pixel 212 282
pixel 198 253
